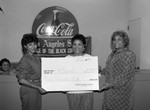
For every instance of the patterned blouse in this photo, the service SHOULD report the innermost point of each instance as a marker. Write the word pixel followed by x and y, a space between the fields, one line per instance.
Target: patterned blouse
pixel 120 72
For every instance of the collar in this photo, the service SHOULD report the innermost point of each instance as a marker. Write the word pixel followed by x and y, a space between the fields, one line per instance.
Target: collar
pixel 119 50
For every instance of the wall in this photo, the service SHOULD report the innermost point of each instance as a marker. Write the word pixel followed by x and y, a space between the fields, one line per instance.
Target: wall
pixel 142 90
pixel 140 9
pixel 96 18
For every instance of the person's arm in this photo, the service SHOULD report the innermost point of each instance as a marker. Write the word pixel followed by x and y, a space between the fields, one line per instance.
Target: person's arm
pixel 103 71
pixel 21 71
pixel 27 83
pixel 127 73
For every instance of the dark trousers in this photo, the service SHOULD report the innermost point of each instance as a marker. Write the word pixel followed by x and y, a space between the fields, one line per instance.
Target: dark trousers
pixel 31 99
pixel 82 101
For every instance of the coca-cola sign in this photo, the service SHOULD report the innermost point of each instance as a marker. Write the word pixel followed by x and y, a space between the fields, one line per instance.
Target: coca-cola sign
pixel 55 26
pixel 55 21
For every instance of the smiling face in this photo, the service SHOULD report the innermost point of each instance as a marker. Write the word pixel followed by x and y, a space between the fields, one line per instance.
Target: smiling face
pixel 5 66
pixel 31 48
pixel 118 42
pixel 78 47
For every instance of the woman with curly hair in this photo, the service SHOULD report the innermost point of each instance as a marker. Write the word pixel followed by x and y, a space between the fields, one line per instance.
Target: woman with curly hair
pixel 119 74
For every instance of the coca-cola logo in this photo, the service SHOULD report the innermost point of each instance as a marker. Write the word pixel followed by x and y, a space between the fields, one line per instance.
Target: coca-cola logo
pixel 55 22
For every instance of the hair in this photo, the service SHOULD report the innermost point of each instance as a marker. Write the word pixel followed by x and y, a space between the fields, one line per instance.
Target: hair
pixel 28 38
pixel 124 36
pixel 79 37
pixel 4 60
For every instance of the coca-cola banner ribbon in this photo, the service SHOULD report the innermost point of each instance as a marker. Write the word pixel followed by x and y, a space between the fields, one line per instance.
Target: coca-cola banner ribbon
pixel 55 26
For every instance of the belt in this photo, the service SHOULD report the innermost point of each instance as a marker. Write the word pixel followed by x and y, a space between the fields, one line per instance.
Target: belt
pixel 34 80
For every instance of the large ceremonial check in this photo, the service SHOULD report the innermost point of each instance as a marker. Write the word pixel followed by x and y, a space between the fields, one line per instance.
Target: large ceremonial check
pixel 70 73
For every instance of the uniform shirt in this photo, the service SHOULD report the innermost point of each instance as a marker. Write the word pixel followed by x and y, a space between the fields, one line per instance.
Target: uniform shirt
pixel 120 72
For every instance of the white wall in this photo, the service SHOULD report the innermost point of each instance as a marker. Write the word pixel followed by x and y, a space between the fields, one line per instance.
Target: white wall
pixel 140 9
pixel 96 18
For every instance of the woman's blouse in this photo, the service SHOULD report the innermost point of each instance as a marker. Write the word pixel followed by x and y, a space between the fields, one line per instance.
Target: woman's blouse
pixel 29 68
pixel 120 72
